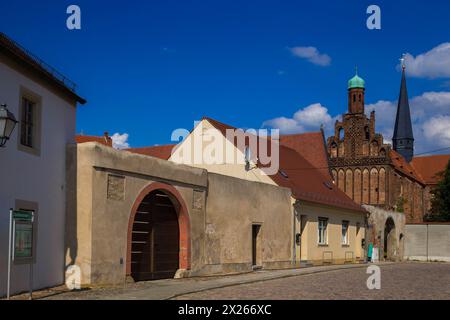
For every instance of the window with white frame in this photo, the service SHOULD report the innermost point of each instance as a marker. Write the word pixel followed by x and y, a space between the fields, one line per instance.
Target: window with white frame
pixel 344 240
pixel 322 231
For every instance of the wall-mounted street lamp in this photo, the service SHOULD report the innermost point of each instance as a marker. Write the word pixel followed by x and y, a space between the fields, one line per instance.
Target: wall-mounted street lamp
pixel 7 124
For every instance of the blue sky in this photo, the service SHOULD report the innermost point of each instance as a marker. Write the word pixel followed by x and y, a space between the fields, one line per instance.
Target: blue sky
pixel 149 67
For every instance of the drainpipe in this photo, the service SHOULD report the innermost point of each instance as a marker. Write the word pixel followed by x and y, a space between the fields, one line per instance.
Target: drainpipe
pixel 294 251
pixel 427 243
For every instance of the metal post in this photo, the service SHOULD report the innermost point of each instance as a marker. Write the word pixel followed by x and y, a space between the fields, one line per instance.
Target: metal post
pixel 32 256
pixel 8 289
pixel 31 280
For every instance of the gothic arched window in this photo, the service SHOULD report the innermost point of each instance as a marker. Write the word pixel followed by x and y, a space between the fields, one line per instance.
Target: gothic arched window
pixel 341 133
pixel 367 133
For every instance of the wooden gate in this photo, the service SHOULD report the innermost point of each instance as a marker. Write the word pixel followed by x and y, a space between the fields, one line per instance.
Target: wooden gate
pixel 155 239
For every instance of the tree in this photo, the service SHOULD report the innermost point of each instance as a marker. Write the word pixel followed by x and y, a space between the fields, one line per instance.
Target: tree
pixel 440 205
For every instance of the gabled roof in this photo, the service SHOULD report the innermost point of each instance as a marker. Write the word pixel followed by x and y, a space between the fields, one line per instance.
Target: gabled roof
pixel 306 182
pixel 429 167
pixel 162 152
pixel 17 53
pixel 105 140
pixel 311 146
pixel 400 164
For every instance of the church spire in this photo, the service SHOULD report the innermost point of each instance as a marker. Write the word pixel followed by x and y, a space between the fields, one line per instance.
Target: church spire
pixel 403 139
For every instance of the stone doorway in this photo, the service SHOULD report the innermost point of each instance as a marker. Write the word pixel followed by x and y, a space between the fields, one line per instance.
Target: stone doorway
pixel 390 240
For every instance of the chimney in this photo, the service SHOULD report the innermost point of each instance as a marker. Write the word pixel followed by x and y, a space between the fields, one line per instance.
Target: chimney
pixel 108 139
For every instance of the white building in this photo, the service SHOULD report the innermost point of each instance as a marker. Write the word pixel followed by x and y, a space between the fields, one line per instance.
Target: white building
pixel 32 163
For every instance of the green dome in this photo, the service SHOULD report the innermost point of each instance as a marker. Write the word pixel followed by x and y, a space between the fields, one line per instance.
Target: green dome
pixel 356 82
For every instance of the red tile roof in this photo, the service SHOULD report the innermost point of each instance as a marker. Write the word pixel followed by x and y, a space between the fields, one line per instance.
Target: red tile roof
pixel 429 167
pixel 106 139
pixel 403 166
pixel 13 50
pixel 162 152
pixel 306 182
pixel 311 146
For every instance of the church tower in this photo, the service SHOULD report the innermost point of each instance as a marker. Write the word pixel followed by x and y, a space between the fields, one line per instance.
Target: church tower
pixel 403 139
pixel 356 94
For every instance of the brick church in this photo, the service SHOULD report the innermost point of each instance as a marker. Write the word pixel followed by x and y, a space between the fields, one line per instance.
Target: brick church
pixel 373 172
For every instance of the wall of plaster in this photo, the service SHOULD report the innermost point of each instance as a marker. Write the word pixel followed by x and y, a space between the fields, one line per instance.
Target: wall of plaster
pixel 208 138
pixel 334 251
pixel 35 180
pixel 233 206
pixel 97 227
pixel 220 220
pixel 427 242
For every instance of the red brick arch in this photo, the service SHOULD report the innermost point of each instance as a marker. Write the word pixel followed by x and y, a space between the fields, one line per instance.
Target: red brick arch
pixel 183 222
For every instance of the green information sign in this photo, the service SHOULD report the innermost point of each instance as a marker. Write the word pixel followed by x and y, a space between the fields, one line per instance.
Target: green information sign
pixel 23 234
pixel 23 240
pixel 23 215
pixel 20 246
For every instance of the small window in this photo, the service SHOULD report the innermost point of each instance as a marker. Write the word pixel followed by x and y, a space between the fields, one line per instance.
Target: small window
pixel 29 133
pixel 322 231
pixel 27 123
pixel 341 134
pixel 283 174
pixel 367 132
pixel 344 239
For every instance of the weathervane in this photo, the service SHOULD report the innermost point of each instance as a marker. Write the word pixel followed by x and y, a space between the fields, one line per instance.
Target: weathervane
pixel 402 61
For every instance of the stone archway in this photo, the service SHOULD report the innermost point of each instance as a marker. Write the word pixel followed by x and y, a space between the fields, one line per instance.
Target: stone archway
pixel 390 240
pixel 158 242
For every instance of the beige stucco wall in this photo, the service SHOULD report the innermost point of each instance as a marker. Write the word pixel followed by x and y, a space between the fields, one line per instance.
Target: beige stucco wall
pixel 233 206
pixel 220 234
pixel 208 138
pixel 311 252
pixel 97 227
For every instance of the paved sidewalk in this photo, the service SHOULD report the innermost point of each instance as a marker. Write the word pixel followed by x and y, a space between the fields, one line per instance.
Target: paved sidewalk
pixel 171 288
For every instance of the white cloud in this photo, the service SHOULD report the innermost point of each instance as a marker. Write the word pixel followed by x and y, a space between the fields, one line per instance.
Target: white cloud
pixel 430 114
pixel 285 125
pixel 438 129
pixel 432 64
pixel 120 141
pixel 306 119
pixel 312 55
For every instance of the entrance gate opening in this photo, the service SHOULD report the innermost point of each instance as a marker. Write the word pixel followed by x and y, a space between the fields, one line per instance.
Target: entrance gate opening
pixel 155 240
pixel 390 241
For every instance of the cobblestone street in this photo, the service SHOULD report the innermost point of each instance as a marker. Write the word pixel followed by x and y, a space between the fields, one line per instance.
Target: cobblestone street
pixel 398 281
